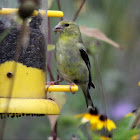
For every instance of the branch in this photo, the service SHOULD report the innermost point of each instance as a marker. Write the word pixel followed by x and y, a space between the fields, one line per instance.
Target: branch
pixel 54 132
pixel 49 66
pixel 101 84
pixel 137 120
pixel 14 68
pixel 77 13
pixel 59 7
pixel 50 73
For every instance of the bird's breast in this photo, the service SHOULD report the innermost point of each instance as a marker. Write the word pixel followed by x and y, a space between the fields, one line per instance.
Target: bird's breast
pixel 70 63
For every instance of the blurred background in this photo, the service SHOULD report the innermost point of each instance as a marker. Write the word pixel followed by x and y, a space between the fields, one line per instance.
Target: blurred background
pixel 115 72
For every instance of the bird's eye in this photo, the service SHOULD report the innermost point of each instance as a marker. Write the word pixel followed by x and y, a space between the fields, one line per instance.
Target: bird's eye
pixel 66 25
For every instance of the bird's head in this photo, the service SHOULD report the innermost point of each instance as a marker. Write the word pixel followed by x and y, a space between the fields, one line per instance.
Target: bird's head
pixel 67 28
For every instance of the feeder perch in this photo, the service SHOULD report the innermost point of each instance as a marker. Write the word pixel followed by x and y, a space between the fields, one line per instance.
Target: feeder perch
pixel 22 90
pixel 61 88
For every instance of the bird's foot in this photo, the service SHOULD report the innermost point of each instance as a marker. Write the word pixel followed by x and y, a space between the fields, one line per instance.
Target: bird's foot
pixel 54 82
pixel 50 83
pixel 72 84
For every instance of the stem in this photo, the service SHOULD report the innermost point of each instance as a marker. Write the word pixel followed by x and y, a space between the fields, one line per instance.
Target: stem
pixel 101 84
pixel 50 73
pixel 59 7
pixel 49 67
pixel 16 57
pixel 58 77
pixel 54 132
pixel 88 132
pixel 137 120
pixel 78 11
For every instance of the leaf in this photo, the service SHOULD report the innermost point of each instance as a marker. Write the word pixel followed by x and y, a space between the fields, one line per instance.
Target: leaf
pixel 60 99
pixel 124 130
pixel 80 134
pixel 97 34
pixel 68 121
pixel 95 137
pixel 127 135
pixel 126 122
pixel 50 47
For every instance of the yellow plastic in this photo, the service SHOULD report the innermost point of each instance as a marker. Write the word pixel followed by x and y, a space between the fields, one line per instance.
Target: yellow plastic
pixel 29 82
pixel 28 94
pixel 50 13
pixel 61 88
pixel 29 106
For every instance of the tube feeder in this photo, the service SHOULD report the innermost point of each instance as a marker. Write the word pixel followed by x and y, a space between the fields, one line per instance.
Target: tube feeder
pixel 22 82
pixel 27 96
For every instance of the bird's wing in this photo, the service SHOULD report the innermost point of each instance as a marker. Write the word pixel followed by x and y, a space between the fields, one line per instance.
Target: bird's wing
pixel 86 59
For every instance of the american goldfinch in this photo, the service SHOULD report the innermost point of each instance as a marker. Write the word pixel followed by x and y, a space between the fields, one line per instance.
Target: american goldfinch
pixel 72 60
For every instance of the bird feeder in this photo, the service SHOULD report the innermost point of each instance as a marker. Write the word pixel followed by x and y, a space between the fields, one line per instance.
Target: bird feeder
pixel 23 81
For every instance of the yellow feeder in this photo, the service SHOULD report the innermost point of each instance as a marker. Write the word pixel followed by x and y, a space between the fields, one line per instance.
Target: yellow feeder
pixel 22 90
pixel 22 83
pixel 28 92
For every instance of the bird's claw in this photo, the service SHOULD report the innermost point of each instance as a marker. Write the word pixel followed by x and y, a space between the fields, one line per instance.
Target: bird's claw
pixel 50 83
pixel 72 84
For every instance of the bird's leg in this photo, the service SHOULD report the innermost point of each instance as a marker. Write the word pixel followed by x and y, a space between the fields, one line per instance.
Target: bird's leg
pixel 54 82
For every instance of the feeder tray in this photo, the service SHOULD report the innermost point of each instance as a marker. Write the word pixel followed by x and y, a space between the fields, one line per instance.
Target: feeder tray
pixel 28 92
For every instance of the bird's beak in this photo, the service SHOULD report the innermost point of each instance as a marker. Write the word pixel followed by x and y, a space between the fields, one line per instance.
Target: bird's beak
pixel 58 28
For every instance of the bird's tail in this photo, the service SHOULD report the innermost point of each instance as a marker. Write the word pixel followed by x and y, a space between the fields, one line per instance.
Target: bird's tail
pixel 88 98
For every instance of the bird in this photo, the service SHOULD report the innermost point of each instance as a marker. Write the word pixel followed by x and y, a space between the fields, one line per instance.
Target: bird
pixel 72 61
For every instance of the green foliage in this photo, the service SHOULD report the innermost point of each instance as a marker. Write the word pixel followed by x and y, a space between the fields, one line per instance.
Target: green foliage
pixel 95 137
pixel 80 134
pixel 124 130
pixel 127 135
pixel 126 123
pixel 68 121
pixel 72 125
